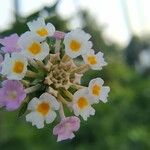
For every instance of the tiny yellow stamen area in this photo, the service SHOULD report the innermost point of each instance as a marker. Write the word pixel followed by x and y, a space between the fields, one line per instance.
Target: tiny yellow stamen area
pixel 92 60
pixel 82 102
pixel 18 67
pixel 75 45
pixel 43 108
pixel 12 95
pixel 96 90
pixel 42 32
pixel 35 48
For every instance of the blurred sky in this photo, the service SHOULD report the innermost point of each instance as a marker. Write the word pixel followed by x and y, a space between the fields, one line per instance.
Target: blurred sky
pixel 121 17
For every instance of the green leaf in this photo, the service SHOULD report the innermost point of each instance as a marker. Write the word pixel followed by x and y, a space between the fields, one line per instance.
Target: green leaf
pixel 23 109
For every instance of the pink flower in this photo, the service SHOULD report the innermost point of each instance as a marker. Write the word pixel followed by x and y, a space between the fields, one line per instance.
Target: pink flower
pixel 66 127
pixel 12 94
pixel 10 44
pixel 59 35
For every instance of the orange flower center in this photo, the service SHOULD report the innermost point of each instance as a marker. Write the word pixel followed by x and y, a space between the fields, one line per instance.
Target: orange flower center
pixel 43 108
pixel 82 102
pixel 92 60
pixel 75 45
pixel 18 67
pixel 35 48
pixel 42 32
pixel 96 90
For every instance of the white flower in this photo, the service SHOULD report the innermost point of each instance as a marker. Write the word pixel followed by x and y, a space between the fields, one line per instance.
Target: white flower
pixel 98 91
pixel 41 29
pixel 42 109
pixel 96 61
pixel 77 43
pixel 31 46
pixel 82 104
pixel 14 67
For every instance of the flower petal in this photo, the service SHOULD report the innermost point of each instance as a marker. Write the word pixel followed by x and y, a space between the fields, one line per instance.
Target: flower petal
pixel 33 103
pixel 50 117
pixel 36 119
pixel 104 94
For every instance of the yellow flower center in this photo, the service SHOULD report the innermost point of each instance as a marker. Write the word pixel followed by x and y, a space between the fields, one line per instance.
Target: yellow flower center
pixel 75 45
pixel 82 102
pixel 12 95
pixel 92 60
pixel 18 67
pixel 42 32
pixel 96 90
pixel 35 48
pixel 43 108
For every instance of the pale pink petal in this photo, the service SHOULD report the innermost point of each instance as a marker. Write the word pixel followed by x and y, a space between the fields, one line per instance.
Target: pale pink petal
pixel 12 94
pixel 10 44
pixel 59 35
pixel 66 127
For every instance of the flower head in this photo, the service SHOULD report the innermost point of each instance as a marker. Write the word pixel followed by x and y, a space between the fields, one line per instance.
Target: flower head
pixel 66 127
pixel 82 104
pixel 31 46
pixel 98 91
pixel 77 43
pixel 96 61
pixel 10 44
pixel 41 29
pixel 43 60
pixel 14 67
pixel 42 109
pixel 12 94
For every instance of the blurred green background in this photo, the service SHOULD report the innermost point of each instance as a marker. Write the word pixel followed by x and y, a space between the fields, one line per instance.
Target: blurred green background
pixel 121 124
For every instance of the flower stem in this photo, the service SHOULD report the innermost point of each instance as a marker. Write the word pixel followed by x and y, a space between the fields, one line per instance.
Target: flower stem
pixel 25 83
pixel 48 66
pixel 32 88
pixel 77 86
pixel 68 94
pixel 41 65
pixel 31 74
pixel 82 69
pixel 60 98
pixel 57 46
pixel 33 63
pixel 61 111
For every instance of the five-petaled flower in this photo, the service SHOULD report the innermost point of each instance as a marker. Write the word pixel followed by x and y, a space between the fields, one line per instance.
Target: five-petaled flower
pixel 32 46
pixel 42 109
pixel 98 91
pixel 81 104
pixel 12 94
pixel 96 61
pixel 41 29
pixel 77 43
pixel 10 44
pixel 14 66
pixel 66 127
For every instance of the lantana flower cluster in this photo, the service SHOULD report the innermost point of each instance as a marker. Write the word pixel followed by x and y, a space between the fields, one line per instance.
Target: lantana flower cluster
pixel 42 79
